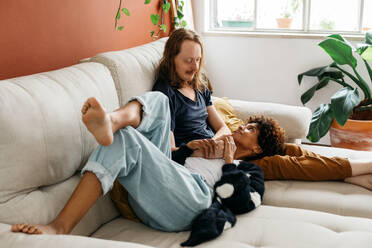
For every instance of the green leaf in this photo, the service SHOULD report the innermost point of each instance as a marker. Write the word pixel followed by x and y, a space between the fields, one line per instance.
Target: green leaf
pixel 340 38
pixel 367 54
pixel 120 28
pixel 152 33
pixel 184 23
pixel 163 27
pixel 311 73
pixel 320 122
pixel 369 37
pixel 368 69
pixel 118 15
pixel 155 18
pixel 363 85
pixel 337 36
pixel 125 11
pixel 339 51
pixel 305 97
pixel 147 2
pixel 166 7
pixel 332 73
pixel 361 47
pixel 179 14
pixel 343 103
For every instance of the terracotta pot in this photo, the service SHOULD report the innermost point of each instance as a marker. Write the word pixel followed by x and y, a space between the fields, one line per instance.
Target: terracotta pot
pixel 284 22
pixel 354 134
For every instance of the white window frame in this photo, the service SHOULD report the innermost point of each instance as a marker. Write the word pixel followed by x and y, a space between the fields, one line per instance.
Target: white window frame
pixel 211 8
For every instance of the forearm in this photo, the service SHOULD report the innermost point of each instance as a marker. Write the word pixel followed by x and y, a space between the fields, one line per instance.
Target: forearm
pixel 181 153
pixel 224 130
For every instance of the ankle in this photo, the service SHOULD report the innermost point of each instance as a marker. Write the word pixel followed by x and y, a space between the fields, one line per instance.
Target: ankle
pixel 114 122
pixel 60 227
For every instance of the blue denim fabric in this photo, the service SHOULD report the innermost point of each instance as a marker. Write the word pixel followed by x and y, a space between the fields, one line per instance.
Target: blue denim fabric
pixel 163 194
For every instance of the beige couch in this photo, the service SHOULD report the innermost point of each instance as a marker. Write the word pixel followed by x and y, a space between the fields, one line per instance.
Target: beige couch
pixel 43 144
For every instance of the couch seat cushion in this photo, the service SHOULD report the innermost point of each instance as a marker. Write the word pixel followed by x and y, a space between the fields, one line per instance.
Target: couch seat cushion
pixel 330 196
pixel 266 226
pixel 18 240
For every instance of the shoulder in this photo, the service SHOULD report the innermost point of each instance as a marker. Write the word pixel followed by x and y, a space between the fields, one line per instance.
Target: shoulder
pixel 163 86
pixel 207 96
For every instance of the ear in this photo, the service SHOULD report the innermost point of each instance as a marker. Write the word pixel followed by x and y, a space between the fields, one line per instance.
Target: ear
pixel 257 150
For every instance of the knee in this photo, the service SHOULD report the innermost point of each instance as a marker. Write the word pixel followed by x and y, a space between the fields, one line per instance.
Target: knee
pixel 161 97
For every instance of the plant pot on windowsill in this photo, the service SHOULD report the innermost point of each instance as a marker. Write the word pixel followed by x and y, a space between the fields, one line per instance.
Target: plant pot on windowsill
pixel 241 23
pixel 284 22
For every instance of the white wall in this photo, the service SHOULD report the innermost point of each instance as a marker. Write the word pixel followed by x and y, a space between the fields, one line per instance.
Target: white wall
pixel 262 69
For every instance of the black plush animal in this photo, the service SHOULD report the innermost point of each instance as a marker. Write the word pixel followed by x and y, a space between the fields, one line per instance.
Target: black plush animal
pixel 239 191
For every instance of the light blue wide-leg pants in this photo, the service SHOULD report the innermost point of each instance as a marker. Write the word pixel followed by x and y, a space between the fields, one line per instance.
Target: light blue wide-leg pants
pixel 163 194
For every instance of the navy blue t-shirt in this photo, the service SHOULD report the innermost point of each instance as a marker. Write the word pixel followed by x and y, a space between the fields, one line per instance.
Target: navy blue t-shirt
pixel 188 118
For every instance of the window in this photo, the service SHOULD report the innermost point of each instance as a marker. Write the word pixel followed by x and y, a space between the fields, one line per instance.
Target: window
pixel 299 16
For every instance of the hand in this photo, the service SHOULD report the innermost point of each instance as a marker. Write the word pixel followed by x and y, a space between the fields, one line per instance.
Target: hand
pixel 206 148
pixel 230 149
pixel 222 137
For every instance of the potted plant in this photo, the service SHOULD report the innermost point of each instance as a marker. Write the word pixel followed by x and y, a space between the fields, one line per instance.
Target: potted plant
pixel 347 105
pixel 285 19
pixel 241 19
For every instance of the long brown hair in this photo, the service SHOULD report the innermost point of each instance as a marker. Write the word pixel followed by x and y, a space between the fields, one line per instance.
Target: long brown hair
pixel 167 68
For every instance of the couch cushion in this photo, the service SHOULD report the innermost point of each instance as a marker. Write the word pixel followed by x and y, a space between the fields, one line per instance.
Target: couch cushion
pixel 133 69
pixel 266 226
pixel 294 119
pixel 16 240
pixel 332 197
pixel 43 140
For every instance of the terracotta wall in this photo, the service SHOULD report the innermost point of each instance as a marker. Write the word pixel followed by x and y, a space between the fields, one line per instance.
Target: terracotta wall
pixel 42 35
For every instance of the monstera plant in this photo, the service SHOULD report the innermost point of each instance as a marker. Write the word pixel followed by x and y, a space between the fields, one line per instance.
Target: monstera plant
pixel 347 102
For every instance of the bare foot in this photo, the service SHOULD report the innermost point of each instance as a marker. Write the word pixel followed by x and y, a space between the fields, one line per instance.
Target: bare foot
pixel 364 181
pixel 34 229
pixel 97 121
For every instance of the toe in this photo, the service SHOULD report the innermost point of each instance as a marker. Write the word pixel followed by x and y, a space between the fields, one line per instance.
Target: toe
pixel 17 227
pixel 25 228
pixel 32 230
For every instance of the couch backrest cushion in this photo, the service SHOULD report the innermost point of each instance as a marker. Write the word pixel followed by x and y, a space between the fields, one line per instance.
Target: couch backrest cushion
pixel 42 138
pixel 133 69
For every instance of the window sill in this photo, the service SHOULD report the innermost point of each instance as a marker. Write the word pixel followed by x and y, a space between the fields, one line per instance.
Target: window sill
pixel 278 34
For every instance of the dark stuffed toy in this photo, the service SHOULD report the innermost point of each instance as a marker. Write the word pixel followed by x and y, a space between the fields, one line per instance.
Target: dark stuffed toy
pixel 239 191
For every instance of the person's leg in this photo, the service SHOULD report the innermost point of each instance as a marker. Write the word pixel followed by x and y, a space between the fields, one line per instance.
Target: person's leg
pixel 361 173
pixel 165 195
pixel 156 108
pixel 84 196
pixel 364 181
pixel 301 164
pixel 103 125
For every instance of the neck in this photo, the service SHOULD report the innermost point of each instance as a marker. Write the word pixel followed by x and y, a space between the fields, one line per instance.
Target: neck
pixel 240 153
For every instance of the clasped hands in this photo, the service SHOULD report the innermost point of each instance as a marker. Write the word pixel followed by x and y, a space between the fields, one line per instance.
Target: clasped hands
pixel 222 147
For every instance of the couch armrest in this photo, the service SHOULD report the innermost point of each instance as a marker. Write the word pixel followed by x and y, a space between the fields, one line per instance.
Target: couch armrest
pixel 294 119
pixel 19 240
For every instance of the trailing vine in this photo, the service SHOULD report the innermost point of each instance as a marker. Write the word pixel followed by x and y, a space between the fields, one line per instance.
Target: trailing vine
pixel 155 18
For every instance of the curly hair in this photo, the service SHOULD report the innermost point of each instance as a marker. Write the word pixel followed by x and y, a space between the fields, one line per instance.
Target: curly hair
pixel 271 136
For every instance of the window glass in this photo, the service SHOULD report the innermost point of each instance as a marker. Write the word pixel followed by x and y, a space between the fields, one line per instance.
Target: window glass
pixel 367 20
pixel 235 13
pixel 282 14
pixel 335 15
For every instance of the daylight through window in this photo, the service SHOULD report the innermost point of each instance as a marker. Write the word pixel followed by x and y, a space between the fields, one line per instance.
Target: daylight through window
pixel 301 16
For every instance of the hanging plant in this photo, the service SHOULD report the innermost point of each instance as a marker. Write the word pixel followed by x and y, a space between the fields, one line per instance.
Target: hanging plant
pixel 178 19
pixel 155 18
